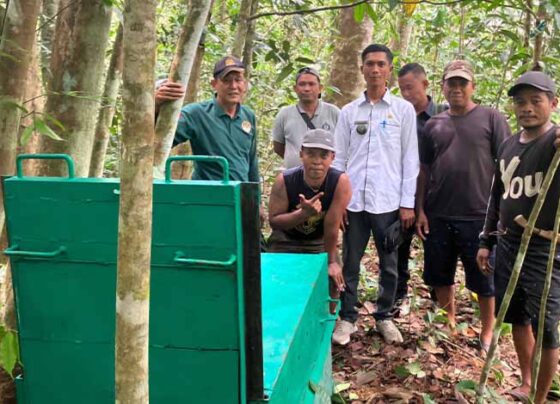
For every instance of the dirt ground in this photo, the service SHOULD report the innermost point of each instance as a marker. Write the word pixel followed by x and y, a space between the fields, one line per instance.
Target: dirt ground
pixel 431 366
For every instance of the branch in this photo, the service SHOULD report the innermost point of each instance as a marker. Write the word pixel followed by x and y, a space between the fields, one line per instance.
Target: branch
pixel 58 12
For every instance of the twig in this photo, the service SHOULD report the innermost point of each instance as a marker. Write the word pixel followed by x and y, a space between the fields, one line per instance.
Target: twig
pixel 460 348
pixel 525 238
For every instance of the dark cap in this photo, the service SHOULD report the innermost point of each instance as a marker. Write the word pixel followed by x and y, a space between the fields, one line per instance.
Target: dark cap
pixel 318 139
pixel 458 68
pixel 538 80
pixel 307 70
pixel 226 65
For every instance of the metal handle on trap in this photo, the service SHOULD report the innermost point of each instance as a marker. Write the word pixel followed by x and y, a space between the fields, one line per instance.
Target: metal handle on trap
pixel 209 159
pixel 65 157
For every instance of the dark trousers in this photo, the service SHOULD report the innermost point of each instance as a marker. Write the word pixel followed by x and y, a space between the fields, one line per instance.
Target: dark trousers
pixel 360 226
pixel 402 266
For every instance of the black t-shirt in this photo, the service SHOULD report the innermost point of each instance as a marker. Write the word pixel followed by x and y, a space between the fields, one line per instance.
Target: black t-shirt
pixel 312 228
pixel 460 152
pixel 519 175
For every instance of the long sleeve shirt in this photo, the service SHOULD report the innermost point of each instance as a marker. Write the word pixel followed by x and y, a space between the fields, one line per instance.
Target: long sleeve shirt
pixel 377 146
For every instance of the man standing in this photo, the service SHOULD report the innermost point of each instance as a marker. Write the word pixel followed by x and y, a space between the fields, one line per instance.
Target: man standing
pixel 307 204
pixel 523 161
pixel 458 151
pixel 309 113
pixel 221 126
pixel 413 84
pixel 376 145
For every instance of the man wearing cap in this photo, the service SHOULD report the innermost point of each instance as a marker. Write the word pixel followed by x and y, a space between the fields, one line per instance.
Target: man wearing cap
pixel 309 113
pixel 307 204
pixel 219 127
pixel 457 154
pixel 377 146
pixel 523 161
pixel 413 84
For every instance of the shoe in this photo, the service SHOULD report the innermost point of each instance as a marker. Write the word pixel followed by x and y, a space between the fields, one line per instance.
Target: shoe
pixel 342 332
pixel 389 331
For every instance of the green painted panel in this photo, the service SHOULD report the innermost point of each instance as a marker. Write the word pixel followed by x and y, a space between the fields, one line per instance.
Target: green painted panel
pixel 210 377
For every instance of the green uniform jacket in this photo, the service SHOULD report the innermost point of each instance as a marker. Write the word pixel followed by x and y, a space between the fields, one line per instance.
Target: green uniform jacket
pixel 212 132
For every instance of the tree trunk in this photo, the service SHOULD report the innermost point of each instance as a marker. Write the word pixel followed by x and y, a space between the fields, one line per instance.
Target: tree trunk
pixel 50 8
pixel 540 23
pixel 399 46
pixel 107 110
pixel 345 72
pixel 135 209
pixel 77 62
pixel 249 39
pixel 180 71
pixel 17 43
pixel 242 28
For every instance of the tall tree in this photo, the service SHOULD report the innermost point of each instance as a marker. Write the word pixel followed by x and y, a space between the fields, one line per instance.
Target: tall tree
pixel 249 39
pixel 16 51
pixel 107 110
pixel 180 72
pixel 135 208
pixel 345 72
pixel 48 15
pixel 243 25
pixel 77 62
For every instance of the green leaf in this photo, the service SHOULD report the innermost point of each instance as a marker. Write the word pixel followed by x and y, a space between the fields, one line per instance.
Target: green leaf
pixel 44 129
pixel 359 12
pixel 9 352
pixel 10 103
pixel 26 134
pixel 402 371
pixel 306 60
pixel 511 35
pixel 466 386
pixel 285 72
pixel 393 4
pixel 371 13
pixel 415 369
pixel 427 399
pixel 341 387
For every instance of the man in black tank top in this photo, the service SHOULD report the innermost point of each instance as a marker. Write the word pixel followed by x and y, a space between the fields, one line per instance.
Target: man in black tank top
pixel 523 161
pixel 307 204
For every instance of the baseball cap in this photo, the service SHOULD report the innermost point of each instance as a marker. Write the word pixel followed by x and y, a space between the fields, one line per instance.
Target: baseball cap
pixel 307 70
pixel 538 80
pixel 228 64
pixel 458 68
pixel 319 139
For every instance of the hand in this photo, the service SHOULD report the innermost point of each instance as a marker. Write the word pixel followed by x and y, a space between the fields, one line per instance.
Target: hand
pixel 335 272
pixel 170 91
pixel 422 226
pixel 407 217
pixel 311 206
pixel 483 262
pixel 557 141
pixel 344 222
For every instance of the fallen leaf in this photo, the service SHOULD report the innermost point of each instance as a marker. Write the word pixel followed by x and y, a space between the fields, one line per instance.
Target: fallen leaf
pixel 366 377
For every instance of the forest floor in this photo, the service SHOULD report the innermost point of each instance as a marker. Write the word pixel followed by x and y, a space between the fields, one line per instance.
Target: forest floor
pixel 431 366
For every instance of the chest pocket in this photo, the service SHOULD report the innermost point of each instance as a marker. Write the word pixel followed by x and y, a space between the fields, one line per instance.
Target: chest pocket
pixel 390 131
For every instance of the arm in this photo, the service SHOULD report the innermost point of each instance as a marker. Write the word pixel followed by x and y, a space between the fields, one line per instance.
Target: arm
pixel 169 91
pixel 410 167
pixel 333 220
pixel 279 148
pixel 253 159
pixel 278 215
pixel 184 131
pixel 422 226
pixel 342 141
pixel 500 132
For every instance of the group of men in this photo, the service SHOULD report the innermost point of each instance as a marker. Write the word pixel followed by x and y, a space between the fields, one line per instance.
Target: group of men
pixel 384 165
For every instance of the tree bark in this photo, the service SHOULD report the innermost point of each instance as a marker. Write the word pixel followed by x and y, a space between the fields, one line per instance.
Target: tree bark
pixel 135 209
pixel 399 46
pixel 345 72
pixel 17 44
pixel 47 19
pixel 180 71
pixel 540 22
pixel 249 39
pixel 242 28
pixel 77 62
pixel 107 110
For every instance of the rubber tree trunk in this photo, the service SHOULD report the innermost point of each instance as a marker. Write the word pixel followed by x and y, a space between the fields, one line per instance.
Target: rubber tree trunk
pixel 107 110
pixel 16 52
pixel 345 75
pixel 77 63
pixel 242 28
pixel 135 208
pixel 180 71
pixel 47 24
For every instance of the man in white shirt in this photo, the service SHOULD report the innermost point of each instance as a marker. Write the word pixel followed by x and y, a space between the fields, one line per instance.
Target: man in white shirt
pixel 309 113
pixel 377 147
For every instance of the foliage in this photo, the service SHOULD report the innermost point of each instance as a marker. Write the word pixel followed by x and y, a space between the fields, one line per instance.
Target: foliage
pixel 9 350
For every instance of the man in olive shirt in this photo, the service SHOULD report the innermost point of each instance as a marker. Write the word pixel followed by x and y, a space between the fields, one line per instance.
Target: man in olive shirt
pixel 457 155
pixel 221 126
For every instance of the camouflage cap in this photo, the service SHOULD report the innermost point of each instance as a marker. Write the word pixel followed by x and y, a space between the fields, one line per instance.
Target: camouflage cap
pixel 458 68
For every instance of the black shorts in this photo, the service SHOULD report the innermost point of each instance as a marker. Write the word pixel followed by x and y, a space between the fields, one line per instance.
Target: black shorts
pixel 526 300
pixel 447 241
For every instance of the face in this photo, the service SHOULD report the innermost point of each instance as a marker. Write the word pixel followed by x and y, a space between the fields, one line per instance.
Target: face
pixel 458 92
pixel 376 69
pixel 533 107
pixel 230 89
pixel 316 162
pixel 413 88
pixel 308 88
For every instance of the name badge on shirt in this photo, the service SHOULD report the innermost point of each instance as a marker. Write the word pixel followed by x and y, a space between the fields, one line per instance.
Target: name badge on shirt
pixel 361 127
pixel 246 126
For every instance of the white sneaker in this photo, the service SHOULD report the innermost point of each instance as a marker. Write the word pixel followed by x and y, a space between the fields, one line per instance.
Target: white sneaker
pixel 342 332
pixel 389 331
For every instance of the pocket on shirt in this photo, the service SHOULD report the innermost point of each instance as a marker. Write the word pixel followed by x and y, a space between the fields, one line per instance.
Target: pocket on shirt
pixel 390 133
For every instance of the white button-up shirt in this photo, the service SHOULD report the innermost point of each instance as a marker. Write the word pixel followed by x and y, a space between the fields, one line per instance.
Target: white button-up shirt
pixel 377 146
